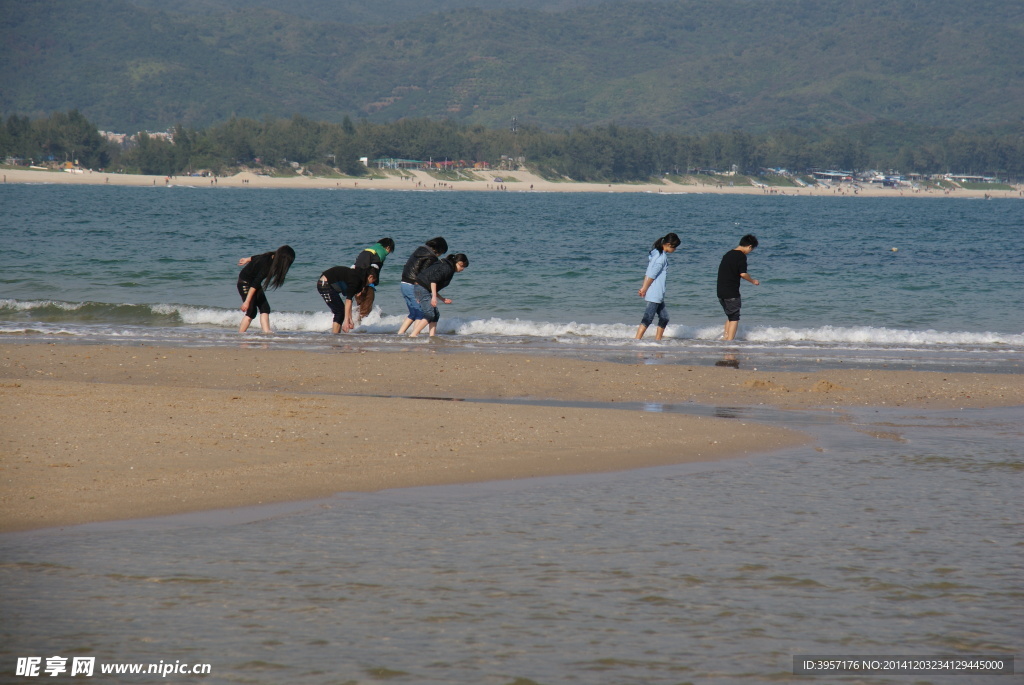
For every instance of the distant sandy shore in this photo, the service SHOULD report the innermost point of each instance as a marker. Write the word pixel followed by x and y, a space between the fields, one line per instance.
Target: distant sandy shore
pixel 94 433
pixel 513 181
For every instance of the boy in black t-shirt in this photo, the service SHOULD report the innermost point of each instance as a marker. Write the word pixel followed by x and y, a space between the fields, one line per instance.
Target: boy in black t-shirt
pixel 732 268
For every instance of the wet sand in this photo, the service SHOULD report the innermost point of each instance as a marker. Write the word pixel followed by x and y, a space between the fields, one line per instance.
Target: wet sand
pixel 95 433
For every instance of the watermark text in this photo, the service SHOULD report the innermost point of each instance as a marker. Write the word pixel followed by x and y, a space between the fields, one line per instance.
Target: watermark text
pixel 32 666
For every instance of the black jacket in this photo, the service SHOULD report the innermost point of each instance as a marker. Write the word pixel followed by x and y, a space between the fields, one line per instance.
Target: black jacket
pixel 440 272
pixel 420 259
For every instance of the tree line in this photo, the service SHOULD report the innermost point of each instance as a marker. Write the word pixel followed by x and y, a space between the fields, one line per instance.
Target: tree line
pixel 608 153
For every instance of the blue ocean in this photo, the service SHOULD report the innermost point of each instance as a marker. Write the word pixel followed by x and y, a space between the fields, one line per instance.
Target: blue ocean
pixel 895 533
pixel 905 281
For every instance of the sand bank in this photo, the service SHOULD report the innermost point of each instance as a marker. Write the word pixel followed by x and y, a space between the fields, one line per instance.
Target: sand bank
pixel 515 181
pixel 96 433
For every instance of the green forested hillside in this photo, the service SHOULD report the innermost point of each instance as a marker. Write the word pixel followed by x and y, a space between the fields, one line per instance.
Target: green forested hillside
pixel 694 65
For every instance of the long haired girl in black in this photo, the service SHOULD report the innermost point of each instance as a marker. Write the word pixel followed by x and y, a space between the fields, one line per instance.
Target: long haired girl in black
pixel 260 273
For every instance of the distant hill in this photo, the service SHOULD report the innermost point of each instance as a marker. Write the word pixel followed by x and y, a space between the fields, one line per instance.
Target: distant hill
pixel 699 65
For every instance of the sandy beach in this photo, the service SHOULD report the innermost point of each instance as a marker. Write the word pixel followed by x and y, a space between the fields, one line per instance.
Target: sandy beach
pixel 513 181
pixel 96 433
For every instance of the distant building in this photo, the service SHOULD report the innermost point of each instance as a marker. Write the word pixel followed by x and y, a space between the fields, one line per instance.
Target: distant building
pixel 124 139
pixel 119 138
pixel 835 176
pixel 967 178
pixel 392 163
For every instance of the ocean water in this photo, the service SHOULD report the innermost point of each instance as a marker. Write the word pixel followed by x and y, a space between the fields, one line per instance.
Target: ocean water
pixel 896 532
pixel 557 272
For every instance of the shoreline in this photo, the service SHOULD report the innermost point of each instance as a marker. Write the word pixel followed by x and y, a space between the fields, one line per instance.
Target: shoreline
pixel 106 432
pixel 523 182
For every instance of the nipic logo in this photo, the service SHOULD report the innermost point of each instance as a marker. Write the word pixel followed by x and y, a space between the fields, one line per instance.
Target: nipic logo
pixel 33 666
pixel 55 665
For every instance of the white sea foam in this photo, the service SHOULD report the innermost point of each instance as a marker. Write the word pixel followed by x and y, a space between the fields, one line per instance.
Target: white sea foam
pixel 199 315
pixel 29 305
pixel 118 320
pixel 880 336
